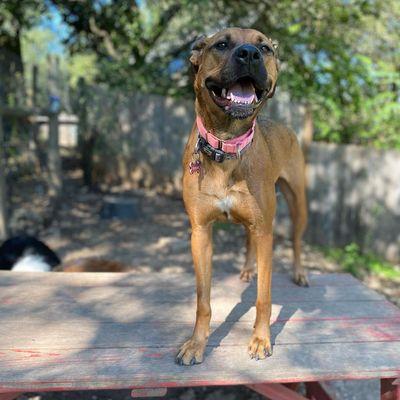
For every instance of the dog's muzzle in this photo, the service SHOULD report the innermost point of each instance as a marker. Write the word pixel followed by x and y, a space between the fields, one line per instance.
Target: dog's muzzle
pixel 242 84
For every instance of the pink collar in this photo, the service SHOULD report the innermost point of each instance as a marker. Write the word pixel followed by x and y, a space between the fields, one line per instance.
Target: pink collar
pixel 231 146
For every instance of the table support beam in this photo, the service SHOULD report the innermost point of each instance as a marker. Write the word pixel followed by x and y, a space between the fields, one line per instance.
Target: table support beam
pixel 276 391
pixel 390 389
pixel 318 391
pixel 10 395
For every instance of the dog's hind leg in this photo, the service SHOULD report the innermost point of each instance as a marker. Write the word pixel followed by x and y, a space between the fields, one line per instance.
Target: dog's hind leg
pixel 248 270
pixel 293 188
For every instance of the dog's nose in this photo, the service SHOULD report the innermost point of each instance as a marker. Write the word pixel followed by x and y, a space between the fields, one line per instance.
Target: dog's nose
pixel 248 54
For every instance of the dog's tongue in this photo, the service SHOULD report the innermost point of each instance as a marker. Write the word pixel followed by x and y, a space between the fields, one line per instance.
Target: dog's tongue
pixel 242 92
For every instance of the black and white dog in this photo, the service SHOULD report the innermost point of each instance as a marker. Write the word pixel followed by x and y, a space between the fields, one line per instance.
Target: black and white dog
pixel 26 253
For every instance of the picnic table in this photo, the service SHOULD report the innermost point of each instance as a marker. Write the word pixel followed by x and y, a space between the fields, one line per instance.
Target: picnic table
pixel 68 332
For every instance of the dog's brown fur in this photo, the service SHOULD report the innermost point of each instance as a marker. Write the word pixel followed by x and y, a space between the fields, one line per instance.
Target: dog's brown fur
pixel 93 265
pixel 249 183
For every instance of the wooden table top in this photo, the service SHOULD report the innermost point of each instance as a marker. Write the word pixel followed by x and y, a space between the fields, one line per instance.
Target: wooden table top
pixel 62 331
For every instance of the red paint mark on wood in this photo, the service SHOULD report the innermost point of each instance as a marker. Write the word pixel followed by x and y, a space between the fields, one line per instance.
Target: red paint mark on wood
pixel 35 353
pixel 25 351
pixel 6 300
pixel 341 318
pixel 380 335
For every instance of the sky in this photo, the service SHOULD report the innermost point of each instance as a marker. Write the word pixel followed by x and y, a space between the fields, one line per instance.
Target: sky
pixel 54 23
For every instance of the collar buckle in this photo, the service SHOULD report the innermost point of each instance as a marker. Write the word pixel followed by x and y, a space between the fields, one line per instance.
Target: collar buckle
pixel 219 156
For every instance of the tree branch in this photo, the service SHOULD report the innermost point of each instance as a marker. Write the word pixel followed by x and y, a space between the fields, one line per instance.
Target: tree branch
pixel 162 24
pixel 106 38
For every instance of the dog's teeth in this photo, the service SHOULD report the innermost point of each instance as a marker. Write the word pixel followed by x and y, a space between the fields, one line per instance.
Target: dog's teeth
pixel 223 92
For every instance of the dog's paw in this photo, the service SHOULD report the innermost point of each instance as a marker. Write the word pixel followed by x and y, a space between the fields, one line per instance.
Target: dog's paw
pixel 246 275
pixel 300 278
pixel 260 348
pixel 190 353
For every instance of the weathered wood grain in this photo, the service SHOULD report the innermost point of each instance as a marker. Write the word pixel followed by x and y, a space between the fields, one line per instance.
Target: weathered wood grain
pixel 65 331
pixel 147 310
pixel 239 291
pixel 163 279
pixel 154 366
pixel 89 334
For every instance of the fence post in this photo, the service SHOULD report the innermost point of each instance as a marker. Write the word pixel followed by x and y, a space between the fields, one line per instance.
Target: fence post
pixel 35 77
pixel 307 131
pixel 54 158
pixel 54 161
pixel 3 185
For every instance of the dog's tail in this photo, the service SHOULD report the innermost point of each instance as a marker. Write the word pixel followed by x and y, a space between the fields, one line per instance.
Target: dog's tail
pixel 93 265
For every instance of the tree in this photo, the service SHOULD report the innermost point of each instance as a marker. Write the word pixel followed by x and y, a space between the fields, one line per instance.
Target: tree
pixel 333 52
pixel 15 15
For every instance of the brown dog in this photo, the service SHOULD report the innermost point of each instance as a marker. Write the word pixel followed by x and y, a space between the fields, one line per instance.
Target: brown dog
pixel 236 72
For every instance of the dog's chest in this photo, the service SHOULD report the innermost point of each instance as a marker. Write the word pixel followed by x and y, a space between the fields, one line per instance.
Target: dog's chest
pixel 225 205
pixel 229 201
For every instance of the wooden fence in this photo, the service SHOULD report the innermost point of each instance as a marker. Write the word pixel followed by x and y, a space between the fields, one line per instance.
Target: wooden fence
pixel 353 191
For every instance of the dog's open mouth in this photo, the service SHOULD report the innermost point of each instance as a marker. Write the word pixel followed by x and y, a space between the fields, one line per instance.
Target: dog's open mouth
pixel 238 99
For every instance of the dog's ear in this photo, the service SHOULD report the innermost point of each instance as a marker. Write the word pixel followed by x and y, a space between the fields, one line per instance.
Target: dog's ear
pixel 275 45
pixel 196 51
pixel 271 91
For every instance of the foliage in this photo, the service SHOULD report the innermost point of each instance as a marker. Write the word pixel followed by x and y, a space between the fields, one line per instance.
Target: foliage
pixel 38 49
pixel 359 264
pixel 340 58
pixel 14 17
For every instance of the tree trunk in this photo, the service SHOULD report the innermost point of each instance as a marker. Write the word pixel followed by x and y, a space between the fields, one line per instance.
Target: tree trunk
pixel 11 70
pixel 88 135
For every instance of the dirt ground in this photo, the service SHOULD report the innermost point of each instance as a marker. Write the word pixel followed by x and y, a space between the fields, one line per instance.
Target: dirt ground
pixel 158 240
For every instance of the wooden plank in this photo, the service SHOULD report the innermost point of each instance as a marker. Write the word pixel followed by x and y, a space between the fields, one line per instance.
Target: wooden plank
pixel 148 309
pixel 224 365
pixel 246 293
pixel 224 310
pixel 63 279
pixel 63 334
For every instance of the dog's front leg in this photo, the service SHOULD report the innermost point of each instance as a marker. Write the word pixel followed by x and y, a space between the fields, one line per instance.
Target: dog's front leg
pixel 192 351
pixel 260 343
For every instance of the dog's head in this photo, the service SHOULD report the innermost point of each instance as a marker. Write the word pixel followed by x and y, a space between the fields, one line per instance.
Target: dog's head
pixel 236 71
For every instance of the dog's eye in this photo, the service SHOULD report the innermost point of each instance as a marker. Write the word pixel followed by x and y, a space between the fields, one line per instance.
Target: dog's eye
pixel 221 45
pixel 267 49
